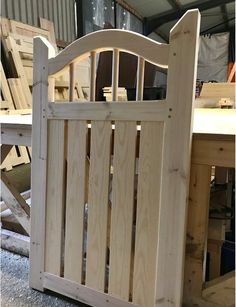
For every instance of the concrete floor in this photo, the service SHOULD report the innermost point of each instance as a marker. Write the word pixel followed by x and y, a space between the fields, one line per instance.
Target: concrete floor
pixel 15 291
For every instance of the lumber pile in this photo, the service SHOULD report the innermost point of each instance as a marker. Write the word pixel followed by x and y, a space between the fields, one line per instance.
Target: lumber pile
pixel 216 95
pixel 17 74
pixel 121 93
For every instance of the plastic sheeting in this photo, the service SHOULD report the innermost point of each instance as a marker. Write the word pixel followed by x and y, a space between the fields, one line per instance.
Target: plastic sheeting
pixel 98 14
pixel 213 57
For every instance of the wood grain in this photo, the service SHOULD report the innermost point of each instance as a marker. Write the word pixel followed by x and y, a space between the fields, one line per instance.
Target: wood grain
pixel 98 204
pixel 122 208
pixel 147 221
pixel 75 199
pixel 55 197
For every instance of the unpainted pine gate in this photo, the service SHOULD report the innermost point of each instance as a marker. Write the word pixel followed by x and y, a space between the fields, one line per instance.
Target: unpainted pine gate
pixel 109 180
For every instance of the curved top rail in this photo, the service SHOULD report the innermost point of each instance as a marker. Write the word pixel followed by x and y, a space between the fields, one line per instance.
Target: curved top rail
pixel 105 40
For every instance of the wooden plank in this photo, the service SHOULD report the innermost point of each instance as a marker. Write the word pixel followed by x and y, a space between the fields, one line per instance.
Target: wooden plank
pixel 55 197
pixel 82 293
pixel 107 40
pixel 27 30
pixel 20 70
pixel 219 90
pixel 12 135
pixel 98 204
pixel 181 79
pixel 15 202
pixel 5 149
pixel 147 221
pixel 122 209
pixel 214 151
pixel 17 91
pixel 39 161
pixel 4 104
pixel 221 291
pixel 15 242
pixel 215 121
pixel 197 225
pixel 140 78
pixel 72 82
pixel 25 195
pixel 215 239
pixel 49 26
pixel 75 199
pixel 214 250
pixel 92 75
pixel 115 74
pixel 5 89
pixel 232 74
pixel 141 111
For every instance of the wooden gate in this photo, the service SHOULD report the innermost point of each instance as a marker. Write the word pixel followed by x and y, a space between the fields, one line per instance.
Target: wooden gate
pixel 110 180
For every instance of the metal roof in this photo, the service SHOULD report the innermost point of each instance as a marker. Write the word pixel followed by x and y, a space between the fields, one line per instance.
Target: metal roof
pixel 160 15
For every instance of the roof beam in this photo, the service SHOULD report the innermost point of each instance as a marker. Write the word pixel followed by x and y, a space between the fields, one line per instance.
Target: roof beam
pixel 175 4
pixel 131 10
pixel 216 26
pixel 156 21
pixel 225 15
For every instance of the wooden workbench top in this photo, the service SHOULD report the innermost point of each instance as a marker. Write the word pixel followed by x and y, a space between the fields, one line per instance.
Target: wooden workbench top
pixel 206 121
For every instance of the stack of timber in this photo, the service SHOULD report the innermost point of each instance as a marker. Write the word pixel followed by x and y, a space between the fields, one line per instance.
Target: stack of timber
pixel 17 74
pixel 216 95
pixel 121 94
pixel 16 70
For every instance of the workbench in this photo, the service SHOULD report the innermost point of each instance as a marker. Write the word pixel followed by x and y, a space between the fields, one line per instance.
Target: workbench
pixel 213 145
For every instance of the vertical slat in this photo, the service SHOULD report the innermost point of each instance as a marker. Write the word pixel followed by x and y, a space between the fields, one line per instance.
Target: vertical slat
pixel 92 75
pixel 115 74
pixel 55 196
pixel 148 200
pixel 98 204
pixel 122 209
pixel 140 78
pixel 75 199
pixel 51 89
pixel 72 82
pixel 39 155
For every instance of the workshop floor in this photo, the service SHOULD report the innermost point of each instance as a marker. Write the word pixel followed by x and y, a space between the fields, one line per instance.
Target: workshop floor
pixel 15 291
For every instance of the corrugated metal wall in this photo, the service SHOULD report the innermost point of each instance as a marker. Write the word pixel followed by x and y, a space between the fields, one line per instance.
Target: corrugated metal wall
pixel 61 12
